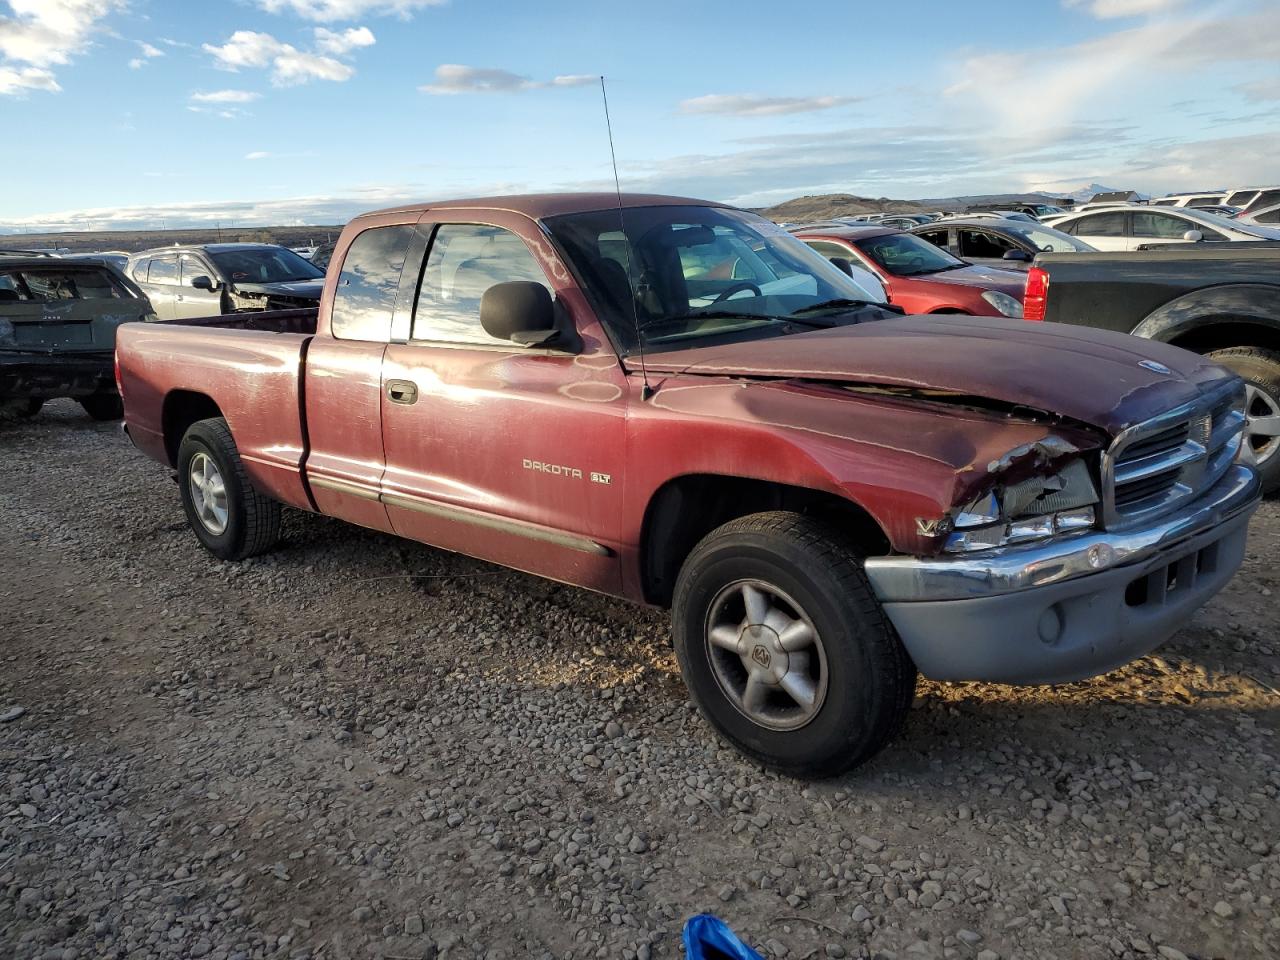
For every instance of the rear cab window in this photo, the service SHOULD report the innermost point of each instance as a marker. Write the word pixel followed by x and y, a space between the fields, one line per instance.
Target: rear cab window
pixel 163 270
pixel 365 298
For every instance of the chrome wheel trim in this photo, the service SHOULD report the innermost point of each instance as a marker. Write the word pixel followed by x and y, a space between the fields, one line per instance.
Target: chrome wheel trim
pixel 208 493
pixel 1262 423
pixel 766 655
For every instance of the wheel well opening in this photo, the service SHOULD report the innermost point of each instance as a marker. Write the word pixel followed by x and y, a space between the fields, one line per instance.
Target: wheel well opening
pixel 1221 334
pixel 686 509
pixel 182 408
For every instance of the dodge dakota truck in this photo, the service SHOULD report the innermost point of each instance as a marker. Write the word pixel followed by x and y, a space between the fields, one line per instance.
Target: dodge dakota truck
pixel 1218 299
pixel 679 403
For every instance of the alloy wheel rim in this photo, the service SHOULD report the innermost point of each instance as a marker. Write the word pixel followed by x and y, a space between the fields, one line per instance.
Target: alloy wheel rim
pixel 1262 424
pixel 766 655
pixel 208 493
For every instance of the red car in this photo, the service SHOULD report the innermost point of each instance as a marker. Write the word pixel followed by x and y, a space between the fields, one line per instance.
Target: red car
pixel 918 276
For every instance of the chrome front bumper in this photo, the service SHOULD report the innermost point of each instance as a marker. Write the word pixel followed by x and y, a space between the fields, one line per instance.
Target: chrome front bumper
pixel 1069 608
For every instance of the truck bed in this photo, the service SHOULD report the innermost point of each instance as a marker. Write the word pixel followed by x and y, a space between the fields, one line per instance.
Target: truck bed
pixel 245 367
pixel 301 320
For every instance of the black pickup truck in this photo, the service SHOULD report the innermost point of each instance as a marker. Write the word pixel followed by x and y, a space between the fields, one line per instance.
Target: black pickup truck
pixel 1222 301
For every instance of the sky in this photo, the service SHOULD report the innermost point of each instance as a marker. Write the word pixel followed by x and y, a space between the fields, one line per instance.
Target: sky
pixel 140 114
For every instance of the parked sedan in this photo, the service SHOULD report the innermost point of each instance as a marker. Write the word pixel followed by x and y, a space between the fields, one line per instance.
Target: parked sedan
pixel 918 276
pixel 1126 228
pixel 216 278
pixel 1007 243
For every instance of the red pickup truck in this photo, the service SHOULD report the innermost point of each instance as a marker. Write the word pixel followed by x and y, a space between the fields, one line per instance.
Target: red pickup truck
pixel 679 403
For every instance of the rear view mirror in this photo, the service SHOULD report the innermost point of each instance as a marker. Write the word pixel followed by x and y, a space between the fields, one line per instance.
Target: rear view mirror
pixel 520 311
pixel 844 265
pixel 1193 236
pixel 1015 254
pixel 202 282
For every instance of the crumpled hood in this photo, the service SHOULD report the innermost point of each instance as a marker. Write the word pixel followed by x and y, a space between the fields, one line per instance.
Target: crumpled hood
pixel 1090 376
pixel 303 289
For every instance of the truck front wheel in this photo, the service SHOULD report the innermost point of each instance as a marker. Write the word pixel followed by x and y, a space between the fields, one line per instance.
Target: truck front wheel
pixel 784 648
pixel 228 515
pixel 1260 369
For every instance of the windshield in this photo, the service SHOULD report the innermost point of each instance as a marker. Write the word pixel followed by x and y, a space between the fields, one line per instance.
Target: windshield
pixel 685 274
pixel 1054 241
pixel 263 265
pixel 906 255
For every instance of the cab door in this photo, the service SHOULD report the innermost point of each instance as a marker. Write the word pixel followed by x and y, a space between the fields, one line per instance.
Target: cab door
pixel 344 374
pixel 507 453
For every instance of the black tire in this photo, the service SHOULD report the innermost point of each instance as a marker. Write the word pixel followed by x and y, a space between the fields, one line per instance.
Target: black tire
pixel 1260 369
pixel 19 408
pixel 103 406
pixel 252 521
pixel 870 678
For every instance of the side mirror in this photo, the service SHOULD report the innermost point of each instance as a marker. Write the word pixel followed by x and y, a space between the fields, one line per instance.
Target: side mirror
pixel 844 265
pixel 202 282
pixel 520 311
pixel 1193 236
pixel 1015 254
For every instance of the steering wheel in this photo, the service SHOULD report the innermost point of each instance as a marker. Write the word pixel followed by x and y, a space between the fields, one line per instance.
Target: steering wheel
pixel 738 287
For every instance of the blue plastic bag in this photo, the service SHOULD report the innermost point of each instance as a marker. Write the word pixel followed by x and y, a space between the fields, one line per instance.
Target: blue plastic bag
pixel 709 938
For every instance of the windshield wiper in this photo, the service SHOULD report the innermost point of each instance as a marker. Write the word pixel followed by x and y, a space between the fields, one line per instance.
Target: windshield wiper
pixel 833 304
pixel 708 315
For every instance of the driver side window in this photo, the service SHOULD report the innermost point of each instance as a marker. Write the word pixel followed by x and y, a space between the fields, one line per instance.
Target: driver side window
pixel 983 245
pixel 465 260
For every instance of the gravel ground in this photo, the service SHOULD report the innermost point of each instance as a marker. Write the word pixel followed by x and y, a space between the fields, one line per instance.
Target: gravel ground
pixel 362 747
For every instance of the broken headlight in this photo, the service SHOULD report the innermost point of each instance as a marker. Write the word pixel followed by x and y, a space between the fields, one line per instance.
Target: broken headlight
pixel 1033 509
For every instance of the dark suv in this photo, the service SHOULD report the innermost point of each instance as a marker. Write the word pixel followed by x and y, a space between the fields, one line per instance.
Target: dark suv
pixel 216 278
pixel 58 321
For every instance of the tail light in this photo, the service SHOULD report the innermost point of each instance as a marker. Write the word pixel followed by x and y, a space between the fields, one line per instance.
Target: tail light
pixel 1037 291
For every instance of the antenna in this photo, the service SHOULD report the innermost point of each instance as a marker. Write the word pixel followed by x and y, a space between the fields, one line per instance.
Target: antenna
pixel 647 391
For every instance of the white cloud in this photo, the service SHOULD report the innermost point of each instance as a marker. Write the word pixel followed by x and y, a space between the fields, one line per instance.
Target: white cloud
pixel 1112 9
pixel 751 105
pixel 148 52
pixel 575 80
pixel 293 67
pixel 326 11
pixel 453 78
pixel 257 155
pixel 288 64
pixel 224 96
pixel 43 33
pixel 16 81
pixel 343 42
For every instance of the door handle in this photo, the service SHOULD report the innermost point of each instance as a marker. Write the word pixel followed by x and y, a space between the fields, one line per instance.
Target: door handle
pixel 402 391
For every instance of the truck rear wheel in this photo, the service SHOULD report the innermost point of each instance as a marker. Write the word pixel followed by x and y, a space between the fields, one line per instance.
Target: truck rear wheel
pixel 1260 369
pixel 228 515
pixel 784 648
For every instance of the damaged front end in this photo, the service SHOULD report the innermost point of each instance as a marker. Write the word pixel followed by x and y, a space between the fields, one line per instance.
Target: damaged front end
pixel 1036 491
pixel 1036 496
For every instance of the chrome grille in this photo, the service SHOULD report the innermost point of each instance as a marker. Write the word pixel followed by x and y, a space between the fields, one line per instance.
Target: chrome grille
pixel 1156 466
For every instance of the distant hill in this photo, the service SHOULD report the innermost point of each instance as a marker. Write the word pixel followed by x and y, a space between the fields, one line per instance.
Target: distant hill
pixel 830 205
pixel 97 241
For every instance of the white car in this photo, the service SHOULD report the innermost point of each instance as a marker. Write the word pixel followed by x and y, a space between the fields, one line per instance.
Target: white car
pixel 1125 228
pixel 1190 200
pixel 1255 197
pixel 1264 216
